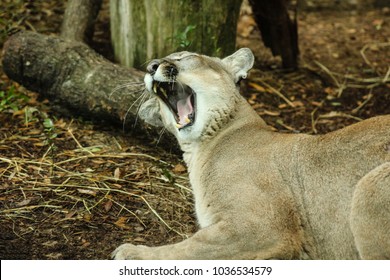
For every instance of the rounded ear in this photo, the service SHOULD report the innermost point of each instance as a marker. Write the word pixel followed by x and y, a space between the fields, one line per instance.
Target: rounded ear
pixel 239 63
pixel 150 112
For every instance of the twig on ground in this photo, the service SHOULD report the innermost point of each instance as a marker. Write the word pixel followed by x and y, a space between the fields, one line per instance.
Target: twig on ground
pixel 357 109
pixel 90 189
pixel 277 92
pixel 370 45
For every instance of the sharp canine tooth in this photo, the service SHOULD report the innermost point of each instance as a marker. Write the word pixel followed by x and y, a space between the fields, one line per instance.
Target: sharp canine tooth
pixel 186 119
pixel 155 88
pixel 164 93
pixel 178 125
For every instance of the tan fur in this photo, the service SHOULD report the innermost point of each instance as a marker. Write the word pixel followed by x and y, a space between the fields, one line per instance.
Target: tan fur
pixel 261 194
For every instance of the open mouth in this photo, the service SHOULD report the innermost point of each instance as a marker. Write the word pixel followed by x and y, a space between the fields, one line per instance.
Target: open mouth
pixel 180 99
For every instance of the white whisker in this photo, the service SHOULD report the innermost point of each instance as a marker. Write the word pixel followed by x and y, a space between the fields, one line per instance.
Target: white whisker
pixel 117 88
pixel 141 98
pixel 125 80
pixel 161 133
pixel 146 62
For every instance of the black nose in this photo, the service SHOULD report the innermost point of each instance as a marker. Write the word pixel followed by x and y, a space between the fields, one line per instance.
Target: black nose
pixel 152 66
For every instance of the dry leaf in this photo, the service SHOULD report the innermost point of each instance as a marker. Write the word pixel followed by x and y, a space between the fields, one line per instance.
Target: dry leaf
pixel 317 104
pixel 98 161
pixel 34 132
pixel 54 256
pixel 36 168
pixel 257 106
pixel 117 173
pixel 179 168
pixel 87 217
pixel 139 239
pixel 282 106
pixel 257 87
pixel 271 113
pixel 329 90
pixel 23 203
pixel 40 144
pixel 60 123
pixel 139 228
pixel 297 103
pixel 86 191
pixel 108 205
pixel 85 243
pixel 50 243
pixel 121 223
pixel 70 214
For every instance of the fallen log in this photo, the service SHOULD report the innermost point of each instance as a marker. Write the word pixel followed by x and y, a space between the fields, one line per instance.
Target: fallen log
pixel 72 75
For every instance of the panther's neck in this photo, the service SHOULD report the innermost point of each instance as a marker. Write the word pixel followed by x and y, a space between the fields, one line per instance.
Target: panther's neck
pixel 226 122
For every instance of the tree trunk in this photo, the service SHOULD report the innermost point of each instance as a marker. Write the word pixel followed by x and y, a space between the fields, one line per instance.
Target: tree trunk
pixel 73 76
pixel 79 19
pixel 143 30
pixel 278 31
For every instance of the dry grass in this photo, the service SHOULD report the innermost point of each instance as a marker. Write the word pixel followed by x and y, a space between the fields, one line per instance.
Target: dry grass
pixel 83 178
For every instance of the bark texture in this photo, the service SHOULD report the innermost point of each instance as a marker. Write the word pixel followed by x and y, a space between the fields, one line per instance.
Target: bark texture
pixel 144 30
pixel 278 30
pixel 79 19
pixel 72 75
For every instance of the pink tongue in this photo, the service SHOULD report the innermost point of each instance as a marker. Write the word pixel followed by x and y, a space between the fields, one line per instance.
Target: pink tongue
pixel 184 108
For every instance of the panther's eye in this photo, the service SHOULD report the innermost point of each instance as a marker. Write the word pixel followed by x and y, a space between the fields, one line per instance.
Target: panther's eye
pixel 187 57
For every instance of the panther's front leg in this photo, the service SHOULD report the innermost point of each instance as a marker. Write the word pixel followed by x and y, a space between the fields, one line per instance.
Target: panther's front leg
pixel 218 241
pixel 208 243
pixel 129 251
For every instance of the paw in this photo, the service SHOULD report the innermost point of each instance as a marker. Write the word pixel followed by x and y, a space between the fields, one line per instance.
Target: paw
pixel 129 251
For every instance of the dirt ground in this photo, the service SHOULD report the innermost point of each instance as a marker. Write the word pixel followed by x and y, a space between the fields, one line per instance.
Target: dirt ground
pixel 72 188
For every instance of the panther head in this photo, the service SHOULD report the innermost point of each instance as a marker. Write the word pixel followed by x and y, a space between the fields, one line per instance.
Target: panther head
pixel 191 94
